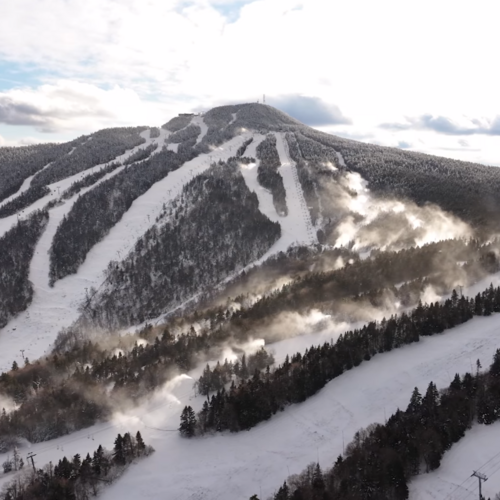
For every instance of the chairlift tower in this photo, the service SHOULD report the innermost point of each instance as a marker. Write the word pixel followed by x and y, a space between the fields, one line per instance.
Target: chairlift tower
pixel 481 477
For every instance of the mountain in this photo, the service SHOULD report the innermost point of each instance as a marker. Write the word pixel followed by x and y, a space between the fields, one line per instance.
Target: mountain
pixel 133 256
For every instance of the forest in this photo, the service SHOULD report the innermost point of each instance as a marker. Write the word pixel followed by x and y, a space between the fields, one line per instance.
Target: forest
pixel 19 163
pixel 212 231
pixel 98 210
pixel 249 402
pixel 468 190
pixel 96 149
pixel 74 478
pixel 24 200
pixel 17 247
pixel 268 175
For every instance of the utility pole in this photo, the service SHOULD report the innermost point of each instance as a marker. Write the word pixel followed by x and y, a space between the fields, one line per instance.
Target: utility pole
pixel 30 457
pixel 481 477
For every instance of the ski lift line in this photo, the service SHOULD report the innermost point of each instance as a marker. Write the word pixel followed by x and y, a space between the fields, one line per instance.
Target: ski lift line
pixel 461 497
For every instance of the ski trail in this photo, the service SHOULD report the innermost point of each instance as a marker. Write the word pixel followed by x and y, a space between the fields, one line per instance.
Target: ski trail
pixel 161 139
pixel 296 226
pixel 298 220
pixel 57 188
pixel 341 159
pixel 52 309
pixel 24 187
pixel 303 433
pixel 249 172
pixel 198 120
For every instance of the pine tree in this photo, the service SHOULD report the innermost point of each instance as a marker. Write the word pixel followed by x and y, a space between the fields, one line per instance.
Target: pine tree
pixel 141 446
pixel 188 422
pixel 118 451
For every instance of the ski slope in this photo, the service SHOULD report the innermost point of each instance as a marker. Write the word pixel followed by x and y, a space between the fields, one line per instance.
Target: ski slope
pixel 479 451
pixel 235 466
pixel 57 188
pixel 198 120
pixel 296 226
pixel 52 309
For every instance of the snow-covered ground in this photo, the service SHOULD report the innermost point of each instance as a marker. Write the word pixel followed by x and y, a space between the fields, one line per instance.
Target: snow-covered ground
pixel 296 226
pixel 198 120
pixel 478 451
pixel 35 329
pixel 57 188
pixel 235 466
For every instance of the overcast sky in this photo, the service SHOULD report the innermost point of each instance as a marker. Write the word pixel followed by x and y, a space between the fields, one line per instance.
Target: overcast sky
pixel 421 75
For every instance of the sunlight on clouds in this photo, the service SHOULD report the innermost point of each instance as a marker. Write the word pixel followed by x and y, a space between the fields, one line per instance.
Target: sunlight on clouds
pixel 378 62
pixel 70 105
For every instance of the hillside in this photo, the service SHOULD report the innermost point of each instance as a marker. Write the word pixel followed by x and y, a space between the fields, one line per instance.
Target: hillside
pixel 133 257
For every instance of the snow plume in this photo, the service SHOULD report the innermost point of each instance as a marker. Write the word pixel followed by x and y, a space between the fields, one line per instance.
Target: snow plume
pixel 7 404
pixel 233 352
pixel 387 224
pixel 168 397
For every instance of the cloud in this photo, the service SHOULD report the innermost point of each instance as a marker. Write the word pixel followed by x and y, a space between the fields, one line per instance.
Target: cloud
pixel 312 111
pixel 70 105
pixel 445 125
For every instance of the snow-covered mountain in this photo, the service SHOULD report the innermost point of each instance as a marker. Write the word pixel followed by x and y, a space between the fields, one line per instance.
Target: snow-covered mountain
pixel 210 237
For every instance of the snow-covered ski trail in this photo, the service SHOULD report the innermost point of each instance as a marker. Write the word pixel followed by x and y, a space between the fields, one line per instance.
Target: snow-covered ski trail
pixel 35 329
pixel 478 450
pixel 296 226
pixel 198 120
pixel 233 466
pixel 57 188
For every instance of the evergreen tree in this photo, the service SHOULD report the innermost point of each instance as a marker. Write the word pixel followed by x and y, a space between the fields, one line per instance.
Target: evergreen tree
pixel 119 456
pixel 188 422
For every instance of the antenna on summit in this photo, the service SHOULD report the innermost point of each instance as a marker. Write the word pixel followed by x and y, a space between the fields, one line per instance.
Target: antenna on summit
pixel 263 98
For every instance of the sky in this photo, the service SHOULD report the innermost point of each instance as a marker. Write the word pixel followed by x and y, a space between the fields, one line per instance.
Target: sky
pixel 419 75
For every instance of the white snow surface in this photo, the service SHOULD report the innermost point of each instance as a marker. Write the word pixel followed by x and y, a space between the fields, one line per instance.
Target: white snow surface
pixel 198 120
pixel 235 466
pixel 478 451
pixel 296 226
pixel 52 309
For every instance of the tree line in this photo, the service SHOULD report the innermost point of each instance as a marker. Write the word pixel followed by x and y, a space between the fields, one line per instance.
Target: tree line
pixel 19 163
pixel 382 459
pixel 252 401
pixel 98 148
pixel 75 478
pixel 98 210
pixel 17 247
pixel 268 175
pixel 214 229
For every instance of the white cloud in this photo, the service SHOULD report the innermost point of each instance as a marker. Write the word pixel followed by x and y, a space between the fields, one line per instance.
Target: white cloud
pixel 377 61
pixel 69 106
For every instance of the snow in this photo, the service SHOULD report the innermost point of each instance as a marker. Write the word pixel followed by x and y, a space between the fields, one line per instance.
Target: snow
pixel 57 188
pixel 198 120
pixel 232 466
pixel 52 309
pixel 341 159
pixel 296 226
pixel 478 451
pixel 24 187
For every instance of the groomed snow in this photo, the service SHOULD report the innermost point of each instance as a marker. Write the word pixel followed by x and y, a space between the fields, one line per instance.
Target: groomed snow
pixel 478 451
pixel 235 466
pixel 198 120
pixel 35 329
pixel 296 226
